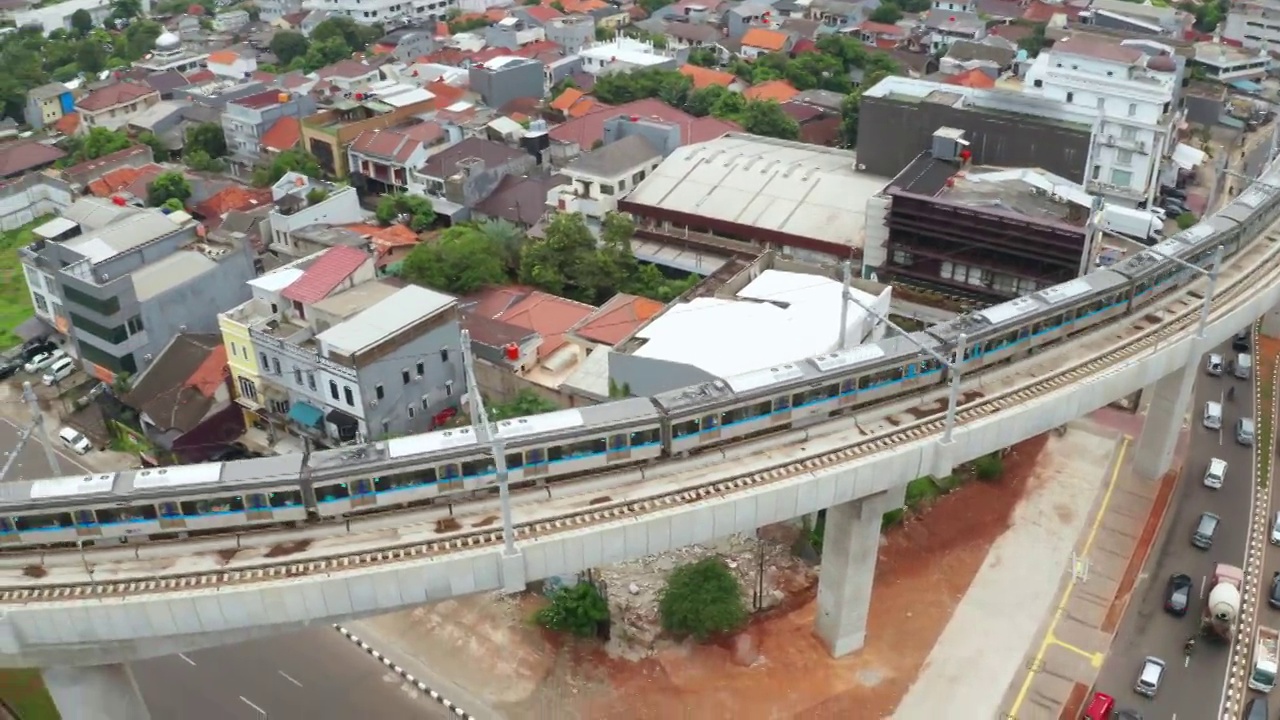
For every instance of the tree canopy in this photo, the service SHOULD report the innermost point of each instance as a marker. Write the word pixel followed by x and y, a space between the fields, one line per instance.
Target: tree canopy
pixel 207 138
pixel 461 261
pixel 416 209
pixel 168 186
pixel 577 609
pixel 332 40
pixel 97 142
pixel 525 403
pixel 702 600
pixel 288 161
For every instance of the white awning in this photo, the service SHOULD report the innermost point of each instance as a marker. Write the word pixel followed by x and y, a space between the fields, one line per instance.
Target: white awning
pixel 1187 157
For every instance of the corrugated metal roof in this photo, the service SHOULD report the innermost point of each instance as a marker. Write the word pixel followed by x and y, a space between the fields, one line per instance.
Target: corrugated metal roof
pixel 384 319
pixel 325 274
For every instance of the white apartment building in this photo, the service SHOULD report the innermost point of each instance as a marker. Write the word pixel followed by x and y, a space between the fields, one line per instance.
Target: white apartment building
pixel 623 54
pixel 1133 96
pixel 370 12
pixel 1254 24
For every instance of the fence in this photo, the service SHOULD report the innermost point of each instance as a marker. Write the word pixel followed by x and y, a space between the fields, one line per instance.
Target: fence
pixel 31 197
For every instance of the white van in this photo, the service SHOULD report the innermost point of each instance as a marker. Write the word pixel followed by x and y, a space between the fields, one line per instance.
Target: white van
pixel 1213 415
pixel 74 440
pixel 60 370
pixel 1216 474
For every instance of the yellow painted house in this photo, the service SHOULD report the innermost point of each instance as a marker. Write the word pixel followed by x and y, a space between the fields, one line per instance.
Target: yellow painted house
pixel 242 360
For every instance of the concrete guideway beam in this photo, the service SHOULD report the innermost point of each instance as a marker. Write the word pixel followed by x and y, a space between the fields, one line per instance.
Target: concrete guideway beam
pixel 95 692
pixel 850 545
pixel 1170 396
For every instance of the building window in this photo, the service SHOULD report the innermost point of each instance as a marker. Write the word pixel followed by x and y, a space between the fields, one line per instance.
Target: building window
pixel 378 392
pixel 1128 133
pixel 1124 157
pixel 297 375
pixel 266 364
pixel 234 351
pixel 275 365
pixel 1097 171
pixel 1121 177
pixel 346 393
pixel 412 411
pixel 43 306
pixel 404 375
pixel 1071 97
pixel 1133 109
pixel 444 354
pixel 426 403
pixel 386 427
pixel 275 309
pixel 606 189
pixel 311 382
pixel 109 306
pixel 333 389
pixel 247 389
pixel 422 368
pixel 1102 103
pixel 448 388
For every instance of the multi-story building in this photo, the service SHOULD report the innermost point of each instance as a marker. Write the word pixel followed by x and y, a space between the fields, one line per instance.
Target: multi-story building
pixel 113 106
pixel 1228 64
pixel 599 178
pixel 462 175
pixel 169 54
pixel 952 20
pixel 273 10
pixel 121 281
pixel 334 355
pixel 235 64
pixel 572 32
pixel 245 121
pixel 382 159
pixel 328 133
pixel 503 79
pixel 1133 96
pixel 1254 24
pixel 47 103
pixel 301 202
pixel 622 54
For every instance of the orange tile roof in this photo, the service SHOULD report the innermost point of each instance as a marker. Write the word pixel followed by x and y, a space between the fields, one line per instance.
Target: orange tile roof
pixel 584 108
pixel 543 13
pixel 770 40
pixel 617 318
pixel 67 124
pixel 445 93
pixel 284 135
pixel 778 91
pixel 566 99
pixel 706 77
pixel 113 181
pixel 211 373
pixel 385 238
pixel 974 78
pixel 223 57
pixel 442 29
pixel 549 316
pixel 232 197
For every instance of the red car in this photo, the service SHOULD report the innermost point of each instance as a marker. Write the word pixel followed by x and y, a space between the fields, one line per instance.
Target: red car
pixel 1100 707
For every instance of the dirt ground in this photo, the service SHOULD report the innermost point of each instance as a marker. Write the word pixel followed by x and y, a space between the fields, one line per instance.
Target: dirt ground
pixel 775 669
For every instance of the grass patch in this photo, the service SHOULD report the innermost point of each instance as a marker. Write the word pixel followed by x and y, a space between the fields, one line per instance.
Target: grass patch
pixel 24 692
pixel 15 299
pixel 1266 425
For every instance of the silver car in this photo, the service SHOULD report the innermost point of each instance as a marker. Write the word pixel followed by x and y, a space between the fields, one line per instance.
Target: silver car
pixel 1149 677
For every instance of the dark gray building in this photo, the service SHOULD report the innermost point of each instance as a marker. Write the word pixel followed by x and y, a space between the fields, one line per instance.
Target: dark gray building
pixel 121 281
pixel 572 32
pixel 501 80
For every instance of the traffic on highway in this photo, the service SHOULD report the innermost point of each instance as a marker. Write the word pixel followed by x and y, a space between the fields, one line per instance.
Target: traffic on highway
pixel 1170 655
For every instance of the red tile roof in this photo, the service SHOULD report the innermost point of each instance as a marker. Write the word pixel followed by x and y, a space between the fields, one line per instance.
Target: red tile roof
pixel 445 93
pixel 1038 12
pixel 284 135
pixel 203 75
pixel 778 91
pixel 973 78
pixel 706 77
pixel 223 57
pixel 566 99
pixel 326 273
pixel 397 144
pixel 345 69
pixel 113 95
pixel 258 101
pixel 875 28
pixel 617 318
pixel 386 239
pixel 211 374
pixel 770 40
pixel 543 13
pixel 549 316
pixel 113 181
pixel 585 131
pixel 232 197
pixel 23 155
pixel 67 124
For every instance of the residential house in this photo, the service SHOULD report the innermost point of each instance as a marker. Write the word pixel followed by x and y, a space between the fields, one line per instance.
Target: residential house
pixel 583 133
pixel 880 35
pixel 622 54
pixel 167 120
pixel 521 201
pixel 325 351
pixel 121 281
pixel 512 33
pixel 284 134
pixel 113 106
pixel 778 91
pixel 124 180
pixel 19 157
pixel 230 21
pixel 682 35
pixel 381 160
pixel 346 78
pixel 740 19
pixel 539 15
pixel 82 174
pixel 300 201
pixel 462 175
pixel 231 199
pixel 1231 64
pixel 167 83
pixel 406 44
pixel 967 54
pixel 503 79
pixel 706 77
pixel 182 401
pixel 537 324
pixel 327 134
pixel 390 244
pixel 47 103
pixel 599 178
pixel 760 41
pixel 234 64
pixel 572 33
pixel 247 121
pixel 611 17
pixel 594 336
pixel 283 14
pixel 952 20
pixel 838 14
pixel 819 125
pixel 573 103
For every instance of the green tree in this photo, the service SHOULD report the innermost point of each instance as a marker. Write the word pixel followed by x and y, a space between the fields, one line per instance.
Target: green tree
pixel 98 142
pixel 295 160
pixel 703 100
pixel 525 403
pixel 355 36
pixel 507 239
pixel 173 204
pixel 168 186
pixel 703 57
pixel 91 57
pixel 325 52
pixel 1186 220
pixel 849 114
pixel 768 119
pixel 415 208
pixel 624 87
pixel 289 45
pixel 139 39
pixel 887 13
pixel 578 609
pixel 561 262
pixel 462 261
pixel 158 150
pixel 1035 42
pixel 126 9
pixel 199 160
pixel 208 138
pixel 702 600
pixel 81 21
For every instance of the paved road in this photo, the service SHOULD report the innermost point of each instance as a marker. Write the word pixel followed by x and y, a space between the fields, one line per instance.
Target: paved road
pixel 313 675
pixel 32 464
pixel 1193 692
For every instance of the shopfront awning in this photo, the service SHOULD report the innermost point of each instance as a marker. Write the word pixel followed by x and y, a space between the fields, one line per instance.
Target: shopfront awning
pixel 1187 157
pixel 306 415
pixel 1248 86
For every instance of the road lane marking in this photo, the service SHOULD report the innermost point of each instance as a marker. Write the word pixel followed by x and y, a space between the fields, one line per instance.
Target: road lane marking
pixel 190 662
pixel 1094 658
pixel 285 675
pixel 261 712
pixel 1204 580
pixel 1071 586
pixel 59 453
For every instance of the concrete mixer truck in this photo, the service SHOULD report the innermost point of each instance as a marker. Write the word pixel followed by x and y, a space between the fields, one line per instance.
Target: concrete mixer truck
pixel 1222 608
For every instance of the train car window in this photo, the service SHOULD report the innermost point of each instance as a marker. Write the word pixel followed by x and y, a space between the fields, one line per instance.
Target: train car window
pixel 6 525
pixel 515 460
pixel 536 456
pixel 847 386
pixel 51 521
pixel 124 515
pixel 330 493
pixel 212 506
pixel 711 422
pixel 393 482
pixel 760 409
pixel 644 437
pixel 575 450
pixel 257 501
pixel 782 403
pixel 170 510
pixel 476 468
pixel 617 442
pixel 688 427
pixel 85 518
pixel 363 487
pixel 449 472
pixel 285 498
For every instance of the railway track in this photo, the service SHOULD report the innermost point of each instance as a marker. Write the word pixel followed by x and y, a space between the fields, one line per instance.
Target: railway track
pixel 1153 331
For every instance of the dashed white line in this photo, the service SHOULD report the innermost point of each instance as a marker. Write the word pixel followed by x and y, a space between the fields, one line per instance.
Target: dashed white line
pixel 245 700
pixel 190 662
pixel 1204 580
pixel 285 675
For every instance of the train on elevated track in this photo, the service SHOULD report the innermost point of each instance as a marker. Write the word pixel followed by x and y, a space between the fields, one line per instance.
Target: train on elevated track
pixel 447 466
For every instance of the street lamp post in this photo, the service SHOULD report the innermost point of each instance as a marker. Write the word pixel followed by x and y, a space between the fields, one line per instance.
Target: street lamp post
pixel 488 434
pixel 1211 273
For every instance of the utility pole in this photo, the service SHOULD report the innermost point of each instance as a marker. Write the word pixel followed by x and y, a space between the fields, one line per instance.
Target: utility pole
pixel 38 418
pixel 17 450
pixel 845 294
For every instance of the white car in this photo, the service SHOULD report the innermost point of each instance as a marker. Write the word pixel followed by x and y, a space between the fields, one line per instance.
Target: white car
pixel 1275 530
pixel 43 360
